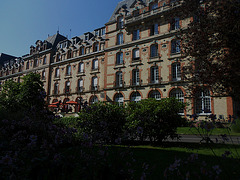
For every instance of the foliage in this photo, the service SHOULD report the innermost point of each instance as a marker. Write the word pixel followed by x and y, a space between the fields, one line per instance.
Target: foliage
pixel 155 120
pixel 236 126
pixel 23 97
pixel 211 44
pixel 102 122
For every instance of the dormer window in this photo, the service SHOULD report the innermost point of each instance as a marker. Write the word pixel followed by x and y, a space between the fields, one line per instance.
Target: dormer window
pixel 86 37
pixel 120 22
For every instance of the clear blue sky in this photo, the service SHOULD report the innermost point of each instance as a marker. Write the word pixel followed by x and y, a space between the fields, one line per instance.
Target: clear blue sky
pixel 23 22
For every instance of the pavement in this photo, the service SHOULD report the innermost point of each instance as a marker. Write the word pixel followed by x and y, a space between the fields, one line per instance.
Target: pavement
pixel 216 139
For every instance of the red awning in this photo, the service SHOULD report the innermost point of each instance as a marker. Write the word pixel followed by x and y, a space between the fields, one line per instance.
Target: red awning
pixel 52 106
pixel 71 102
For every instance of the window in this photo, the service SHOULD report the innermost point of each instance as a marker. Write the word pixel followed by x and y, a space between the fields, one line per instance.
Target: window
pixel 119 79
pixel 154 75
pixel 82 51
pixel 93 100
pixel 175 46
pixel 94 84
pixel 68 72
pixel 120 38
pixel 175 23
pixel 81 67
pixel 80 85
pixel 154 50
pixel 35 63
pixel 178 94
pixel 95 64
pixel 136 13
pixel 155 95
pixel 120 22
pixel 154 6
pixel 45 60
pixel 96 47
pixel 136 54
pixel 135 97
pixel 136 34
pixel 67 87
pixel 56 88
pixel 27 65
pixel 103 31
pixel 69 55
pixel 43 75
pixel 176 72
pixel 154 29
pixel 119 58
pixel 135 77
pixel 58 58
pixel 203 102
pixel 57 72
pixel 119 99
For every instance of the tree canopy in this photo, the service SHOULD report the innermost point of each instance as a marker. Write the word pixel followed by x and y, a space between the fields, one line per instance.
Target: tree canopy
pixel 211 43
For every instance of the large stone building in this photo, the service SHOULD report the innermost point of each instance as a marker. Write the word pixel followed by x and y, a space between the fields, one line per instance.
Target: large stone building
pixel 135 56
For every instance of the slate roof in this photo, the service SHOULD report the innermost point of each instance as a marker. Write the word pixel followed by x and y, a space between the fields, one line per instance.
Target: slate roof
pixel 126 3
pixel 55 39
pixel 5 57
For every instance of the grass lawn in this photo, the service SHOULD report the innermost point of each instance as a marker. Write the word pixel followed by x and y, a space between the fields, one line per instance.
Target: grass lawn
pixel 159 158
pixel 216 131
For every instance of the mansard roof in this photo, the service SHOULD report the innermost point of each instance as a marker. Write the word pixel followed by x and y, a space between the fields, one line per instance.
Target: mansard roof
pixel 126 4
pixel 55 39
pixel 5 57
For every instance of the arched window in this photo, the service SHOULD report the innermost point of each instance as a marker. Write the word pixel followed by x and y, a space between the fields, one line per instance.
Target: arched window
pixel 57 73
pixel 68 70
pixel 175 46
pixel 136 55
pixel 95 64
pixel 154 75
pixel 81 67
pixel 93 99
pixel 135 77
pixel 176 72
pixel 154 50
pixel 136 97
pixel 119 58
pixel 120 38
pixel 203 102
pixel 94 86
pixel 96 47
pixel 155 94
pixel 119 79
pixel 80 85
pixel 55 88
pixel 67 87
pixel 174 24
pixel 178 94
pixel 118 98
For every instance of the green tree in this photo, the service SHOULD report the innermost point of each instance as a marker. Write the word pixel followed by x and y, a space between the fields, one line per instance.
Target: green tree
pixel 154 119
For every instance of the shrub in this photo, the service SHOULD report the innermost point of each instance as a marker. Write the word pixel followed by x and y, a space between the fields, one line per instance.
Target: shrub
pixel 236 126
pixel 102 122
pixel 154 119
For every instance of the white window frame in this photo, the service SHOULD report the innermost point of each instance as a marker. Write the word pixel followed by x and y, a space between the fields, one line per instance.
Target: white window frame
pixel 136 34
pixel 136 97
pixel 202 102
pixel 120 38
pixel 95 64
pixel 135 77
pixel 154 74
pixel 155 94
pixel 176 72
pixel 119 79
pixel 154 50
pixel 81 67
pixel 178 94
pixel 119 58
pixel 119 99
pixel 136 54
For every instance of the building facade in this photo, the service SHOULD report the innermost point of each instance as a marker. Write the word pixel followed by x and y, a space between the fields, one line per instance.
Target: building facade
pixel 135 56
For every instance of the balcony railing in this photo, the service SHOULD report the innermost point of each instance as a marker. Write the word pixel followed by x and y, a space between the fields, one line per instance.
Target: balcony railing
pixel 118 84
pixel 137 82
pixel 153 12
pixel 94 88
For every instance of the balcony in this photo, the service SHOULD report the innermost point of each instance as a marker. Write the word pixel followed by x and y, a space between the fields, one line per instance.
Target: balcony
pixel 119 84
pixel 135 83
pixel 94 88
pixel 79 89
pixel 153 12
pixel 155 81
